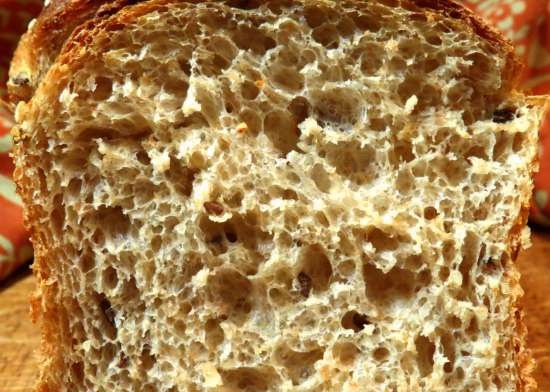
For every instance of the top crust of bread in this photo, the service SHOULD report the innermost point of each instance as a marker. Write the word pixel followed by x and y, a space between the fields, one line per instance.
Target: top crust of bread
pixel 39 47
pixel 59 38
pixel 62 20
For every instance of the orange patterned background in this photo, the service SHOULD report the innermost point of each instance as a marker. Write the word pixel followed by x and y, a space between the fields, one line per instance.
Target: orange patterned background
pixel 525 22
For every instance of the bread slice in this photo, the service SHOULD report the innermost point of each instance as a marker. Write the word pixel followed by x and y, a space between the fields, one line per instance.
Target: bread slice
pixel 294 195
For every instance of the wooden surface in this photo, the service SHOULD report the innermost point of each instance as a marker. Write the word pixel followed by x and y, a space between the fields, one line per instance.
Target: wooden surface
pixel 534 264
pixel 19 338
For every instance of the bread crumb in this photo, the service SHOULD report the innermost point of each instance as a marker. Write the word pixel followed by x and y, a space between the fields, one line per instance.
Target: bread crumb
pixel 411 104
pixel 201 278
pixel 160 161
pixel 211 376
pixel 191 105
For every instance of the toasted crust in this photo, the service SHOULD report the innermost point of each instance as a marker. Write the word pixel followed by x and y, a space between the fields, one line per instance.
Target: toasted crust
pixel 60 35
pixel 44 40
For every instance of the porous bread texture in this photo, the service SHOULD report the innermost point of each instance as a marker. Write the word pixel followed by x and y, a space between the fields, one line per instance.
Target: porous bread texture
pixel 302 196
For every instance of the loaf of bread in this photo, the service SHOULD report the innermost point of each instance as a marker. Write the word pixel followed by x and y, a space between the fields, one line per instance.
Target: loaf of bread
pixel 278 195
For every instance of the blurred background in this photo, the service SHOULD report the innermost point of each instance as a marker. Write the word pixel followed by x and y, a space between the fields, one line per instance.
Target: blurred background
pixel 525 22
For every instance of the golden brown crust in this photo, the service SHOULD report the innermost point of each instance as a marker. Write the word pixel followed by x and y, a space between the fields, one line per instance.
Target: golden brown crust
pixel 44 40
pixel 499 42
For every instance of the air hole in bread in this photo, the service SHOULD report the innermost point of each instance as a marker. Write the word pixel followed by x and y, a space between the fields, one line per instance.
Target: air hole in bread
pixel 448 345
pixel 181 177
pixel 354 321
pixel 249 90
pixel 259 45
pixel 143 157
pixel 112 221
pixel 433 39
pixel 212 64
pixel 397 284
pixel 214 335
pixel 479 152
pixel 287 56
pixel 321 178
pixel 409 87
pixel 86 261
pixel 304 284
pixel 481 66
pixel 444 273
pixel 414 262
pixel 352 160
pixel 316 15
pixel 372 58
pixel 147 358
pixel 98 238
pixel 300 108
pixel 424 278
pixel 77 372
pixel 379 378
pixel 425 350
pixel 108 352
pixel 346 268
pixel 278 296
pixel 107 314
pixel 327 35
pixel 382 241
pixel 299 365
pixel 321 218
pixel 366 22
pixel 454 171
pixel 175 86
pixel 156 242
pixel 470 253
pixel 252 120
pixel 214 235
pixel 110 278
pixel 345 353
pixel 339 106
pixel 281 128
pixel 381 354
pixel 453 322
pixel 402 153
pixel 430 213
pixel 249 379
pixel 316 265
pixel 286 78
pixel 103 88
pixel 380 124
pixel 518 142
pixel 57 216
pixel 473 327
pixel 398 65
pixel 230 291
pixel 94 133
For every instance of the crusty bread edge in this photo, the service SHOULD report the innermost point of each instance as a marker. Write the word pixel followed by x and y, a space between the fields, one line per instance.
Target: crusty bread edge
pixel 43 302
pixel 524 359
pixel 44 39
